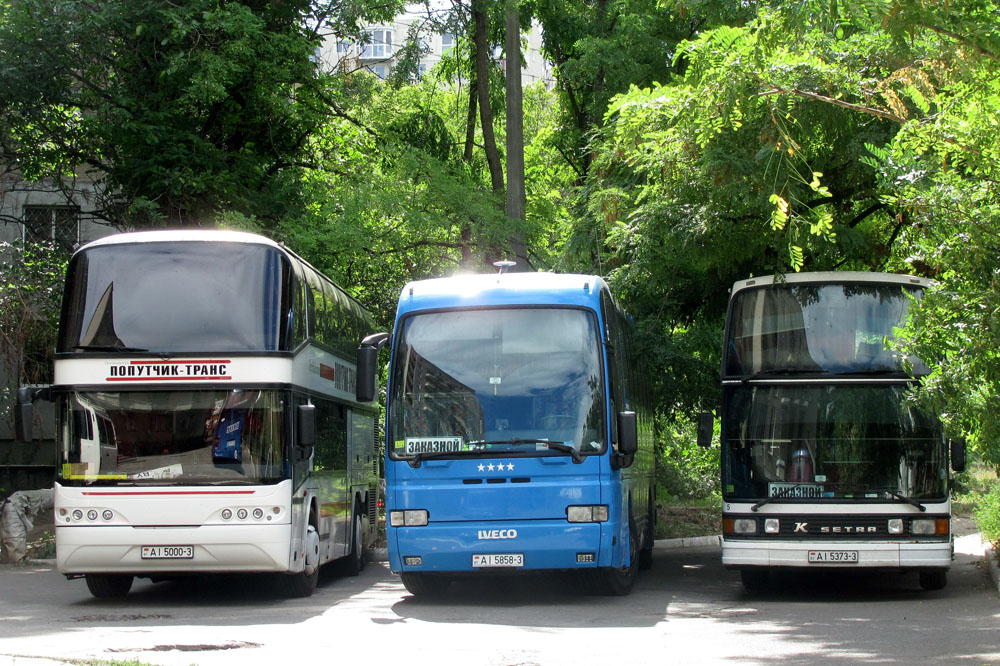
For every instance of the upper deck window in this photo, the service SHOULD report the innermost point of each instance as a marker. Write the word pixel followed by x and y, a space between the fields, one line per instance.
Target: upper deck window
pixel 817 329
pixel 176 297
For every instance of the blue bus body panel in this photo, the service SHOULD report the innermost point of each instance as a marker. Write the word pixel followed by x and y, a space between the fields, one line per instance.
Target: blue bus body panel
pixel 471 511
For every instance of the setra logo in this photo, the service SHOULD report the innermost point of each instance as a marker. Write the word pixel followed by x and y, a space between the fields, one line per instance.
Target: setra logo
pixel 497 534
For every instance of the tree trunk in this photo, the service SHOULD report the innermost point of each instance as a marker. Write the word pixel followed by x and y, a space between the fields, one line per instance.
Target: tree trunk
pixel 515 134
pixel 483 86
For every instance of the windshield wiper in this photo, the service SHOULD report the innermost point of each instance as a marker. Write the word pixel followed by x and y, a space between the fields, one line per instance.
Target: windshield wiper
pixel 904 498
pixel 114 348
pixel 777 496
pixel 555 445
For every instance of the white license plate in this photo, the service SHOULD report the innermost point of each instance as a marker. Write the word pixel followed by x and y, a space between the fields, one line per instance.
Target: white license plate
pixel 498 560
pixel 167 552
pixel 833 556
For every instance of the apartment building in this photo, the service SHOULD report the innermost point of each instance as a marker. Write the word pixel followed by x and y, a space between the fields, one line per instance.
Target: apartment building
pixel 379 50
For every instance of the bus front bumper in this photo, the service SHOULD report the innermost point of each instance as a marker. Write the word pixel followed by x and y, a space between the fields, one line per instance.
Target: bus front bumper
pixel 738 554
pixel 121 549
pixel 521 545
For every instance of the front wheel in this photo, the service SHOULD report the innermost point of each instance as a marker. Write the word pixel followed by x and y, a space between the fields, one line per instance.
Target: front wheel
pixel 421 584
pixel 618 581
pixel 109 586
pixel 933 579
pixel 303 583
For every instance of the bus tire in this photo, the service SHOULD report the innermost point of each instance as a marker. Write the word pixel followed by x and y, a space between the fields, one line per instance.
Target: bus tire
pixel 618 581
pixel 933 579
pixel 421 584
pixel 303 583
pixel 649 535
pixel 109 586
pixel 356 558
pixel 754 581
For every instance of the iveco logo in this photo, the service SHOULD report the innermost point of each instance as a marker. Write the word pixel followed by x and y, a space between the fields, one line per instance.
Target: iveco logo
pixel 497 534
pixel 801 527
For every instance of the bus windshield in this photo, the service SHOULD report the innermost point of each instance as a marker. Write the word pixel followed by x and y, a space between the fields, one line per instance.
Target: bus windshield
pixel 817 328
pixel 175 297
pixel 172 437
pixel 831 441
pixel 506 379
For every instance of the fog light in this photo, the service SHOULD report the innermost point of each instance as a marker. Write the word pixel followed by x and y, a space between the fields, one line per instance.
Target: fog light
pixel 895 526
pixel 242 514
pixel 227 514
pixel 77 514
pixel 108 514
pixel 408 518
pixel 413 560
pixel 258 513
pixel 585 557
pixel 772 525
pixel 595 513
pixel 92 514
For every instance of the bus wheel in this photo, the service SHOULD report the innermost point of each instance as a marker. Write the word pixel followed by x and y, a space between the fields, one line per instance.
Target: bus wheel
pixel 420 584
pixel 356 560
pixel 754 580
pixel 648 536
pixel 618 582
pixel 303 583
pixel 933 579
pixel 106 586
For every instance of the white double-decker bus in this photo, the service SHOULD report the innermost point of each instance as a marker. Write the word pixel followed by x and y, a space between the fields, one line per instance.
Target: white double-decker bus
pixel 825 463
pixel 206 414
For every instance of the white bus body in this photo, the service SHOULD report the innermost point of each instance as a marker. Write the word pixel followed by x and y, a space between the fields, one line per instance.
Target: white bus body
pixel 207 420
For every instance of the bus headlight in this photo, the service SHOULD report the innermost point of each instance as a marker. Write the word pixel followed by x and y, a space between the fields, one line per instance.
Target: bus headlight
pixel 772 526
pixel 594 513
pixel 896 526
pixel 929 526
pixel 408 518
pixel 739 525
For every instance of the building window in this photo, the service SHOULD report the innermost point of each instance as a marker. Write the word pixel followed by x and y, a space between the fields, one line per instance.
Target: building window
pixel 58 224
pixel 379 44
pixel 447 42
pixel 381 71
pixel 343 46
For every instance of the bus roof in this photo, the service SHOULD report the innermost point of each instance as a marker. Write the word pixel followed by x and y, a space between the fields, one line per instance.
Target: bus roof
pixel 174 235
pixel 501 289
pixel 828 277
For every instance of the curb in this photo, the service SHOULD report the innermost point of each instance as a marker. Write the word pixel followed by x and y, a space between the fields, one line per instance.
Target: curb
pixel 688 542
pixel 990 555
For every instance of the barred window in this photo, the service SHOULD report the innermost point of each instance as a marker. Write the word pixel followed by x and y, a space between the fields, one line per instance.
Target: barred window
pixel 59 224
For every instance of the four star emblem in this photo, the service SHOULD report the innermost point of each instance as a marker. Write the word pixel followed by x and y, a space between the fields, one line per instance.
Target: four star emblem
pixel 499 467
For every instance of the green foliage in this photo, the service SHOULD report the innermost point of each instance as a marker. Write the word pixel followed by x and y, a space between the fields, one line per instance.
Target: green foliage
pixel 685 471
pixel 987 514
pixel 178 109
pixel 31 280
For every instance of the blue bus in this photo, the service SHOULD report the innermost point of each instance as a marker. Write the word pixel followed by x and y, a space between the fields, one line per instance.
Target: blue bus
pixel 519 434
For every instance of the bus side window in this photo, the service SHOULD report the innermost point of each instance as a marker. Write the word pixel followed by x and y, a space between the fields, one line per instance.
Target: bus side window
pixel 331 436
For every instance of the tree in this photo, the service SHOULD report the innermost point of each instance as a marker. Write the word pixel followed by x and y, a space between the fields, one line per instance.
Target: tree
pixel 179 109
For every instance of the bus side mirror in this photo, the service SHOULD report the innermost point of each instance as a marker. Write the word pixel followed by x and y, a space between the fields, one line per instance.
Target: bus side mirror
pixel 706 426
pixel 306 425
pixel 368 365
pixel 958 454
pixel 24 411
pixel 628 433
